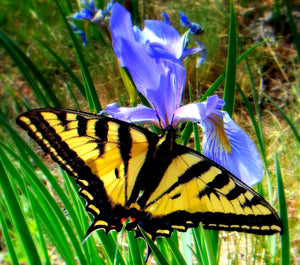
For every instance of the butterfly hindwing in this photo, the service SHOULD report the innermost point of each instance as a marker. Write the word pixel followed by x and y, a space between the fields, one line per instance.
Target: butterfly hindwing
pixel 103 154
pixel 127 172
pixel 194 189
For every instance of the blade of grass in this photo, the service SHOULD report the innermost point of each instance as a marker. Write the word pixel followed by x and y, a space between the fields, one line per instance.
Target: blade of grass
pixel 229 89
pixel 221 78
pixel 47 209
pixel 41 99
pixel 285 237
pixel 17 216
pixel 6 236
pixel 130 87
pixel 201 250
pixel 70 92
pixel 136 255
pixel 43 248
pixel 183 256
pixel 255 96
pixel 155 251
pixel 261 144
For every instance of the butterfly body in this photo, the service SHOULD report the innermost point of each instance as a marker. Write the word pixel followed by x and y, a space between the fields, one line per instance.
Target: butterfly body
pixel 126 172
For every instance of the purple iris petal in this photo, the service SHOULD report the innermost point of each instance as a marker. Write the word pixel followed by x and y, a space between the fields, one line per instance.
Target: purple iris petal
pixel 80 32
pixel 160 81
pixel 164 34
pixel 166 17
pixel 194 27
pixel 161 38
pixel 83 14
pixel 138 114
pixel 90 5
pixel 120 27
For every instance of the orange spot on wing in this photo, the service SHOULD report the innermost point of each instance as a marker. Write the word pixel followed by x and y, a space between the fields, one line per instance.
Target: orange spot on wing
pixel 132 219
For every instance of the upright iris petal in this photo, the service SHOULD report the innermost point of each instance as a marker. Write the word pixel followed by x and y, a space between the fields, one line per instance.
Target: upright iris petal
pixel 154 67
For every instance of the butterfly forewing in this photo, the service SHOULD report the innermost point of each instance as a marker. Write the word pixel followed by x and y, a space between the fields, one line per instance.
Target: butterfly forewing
pixel 104 155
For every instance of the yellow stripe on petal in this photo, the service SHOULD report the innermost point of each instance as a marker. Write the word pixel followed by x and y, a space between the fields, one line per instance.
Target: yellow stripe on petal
pixel 219 125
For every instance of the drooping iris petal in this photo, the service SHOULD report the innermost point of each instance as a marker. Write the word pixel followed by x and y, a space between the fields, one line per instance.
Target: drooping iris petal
pixel 227 144
pixel 138 114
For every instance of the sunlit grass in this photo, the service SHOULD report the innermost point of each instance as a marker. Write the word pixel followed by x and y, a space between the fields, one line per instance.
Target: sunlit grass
pixel 273 67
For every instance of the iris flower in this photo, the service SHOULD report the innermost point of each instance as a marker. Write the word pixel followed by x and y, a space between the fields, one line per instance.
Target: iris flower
pixel 153 58
pixel 91 13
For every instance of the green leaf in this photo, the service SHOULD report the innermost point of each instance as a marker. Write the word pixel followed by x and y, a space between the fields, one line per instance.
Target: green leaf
pixel 221 78
pixel 283 213
pixel 17 216
pixel 130 87
pixel 7 239
pixel 229 90
pixel 155 251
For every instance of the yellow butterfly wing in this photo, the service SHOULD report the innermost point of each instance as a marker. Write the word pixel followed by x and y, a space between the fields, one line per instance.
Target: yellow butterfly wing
pixel 104 155
pixel 194 189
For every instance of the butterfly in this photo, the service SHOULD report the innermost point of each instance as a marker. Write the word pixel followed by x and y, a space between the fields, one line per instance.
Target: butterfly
pixel 131 177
